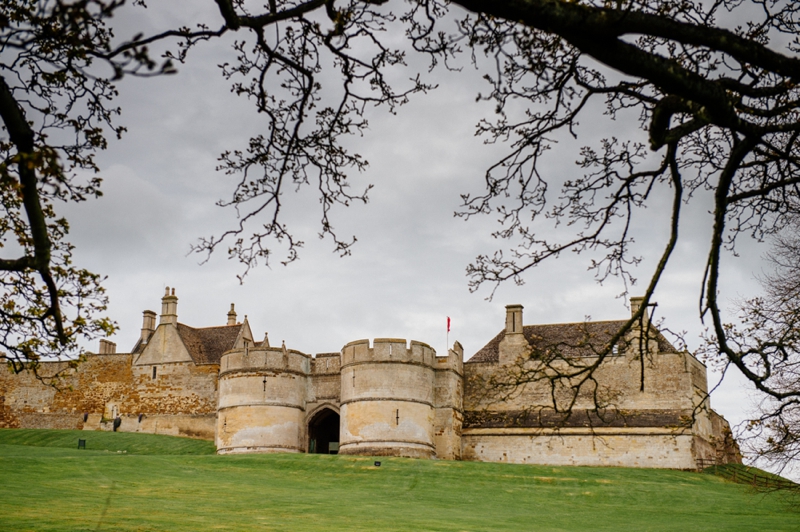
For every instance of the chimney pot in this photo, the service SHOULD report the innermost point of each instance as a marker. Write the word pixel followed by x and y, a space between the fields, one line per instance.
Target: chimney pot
pixel 169 308
pixel 107 347
pixel 231 316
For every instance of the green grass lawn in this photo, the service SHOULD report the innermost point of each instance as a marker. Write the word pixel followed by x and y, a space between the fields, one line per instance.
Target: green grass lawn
pixel 164 483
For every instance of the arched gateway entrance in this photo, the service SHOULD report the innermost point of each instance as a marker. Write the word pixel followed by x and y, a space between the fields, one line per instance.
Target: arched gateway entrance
pixel 323 432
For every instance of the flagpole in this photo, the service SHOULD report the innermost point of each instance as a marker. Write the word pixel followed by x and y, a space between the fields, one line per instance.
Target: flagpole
pixel 447 338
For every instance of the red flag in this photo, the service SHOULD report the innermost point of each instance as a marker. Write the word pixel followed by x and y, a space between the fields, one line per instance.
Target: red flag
pixel 448 323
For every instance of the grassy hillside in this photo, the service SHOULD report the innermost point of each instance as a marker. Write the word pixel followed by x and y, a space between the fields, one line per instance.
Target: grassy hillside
pixel 131 443
pixel 155 487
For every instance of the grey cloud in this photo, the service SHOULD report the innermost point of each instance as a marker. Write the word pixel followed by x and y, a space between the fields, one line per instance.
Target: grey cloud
pixel 407 272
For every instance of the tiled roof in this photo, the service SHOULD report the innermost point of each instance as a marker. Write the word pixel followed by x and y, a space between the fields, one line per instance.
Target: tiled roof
pixel 207 345
pixel 571 339
pixel 139 347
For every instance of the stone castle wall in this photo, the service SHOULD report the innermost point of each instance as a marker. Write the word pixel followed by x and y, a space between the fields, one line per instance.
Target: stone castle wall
pixel 650 428
pixel 262 401
pixel 387 398
pixel 664 422
pixel 180 401
pixel 392 397
pixel 651 447
pixel 448 402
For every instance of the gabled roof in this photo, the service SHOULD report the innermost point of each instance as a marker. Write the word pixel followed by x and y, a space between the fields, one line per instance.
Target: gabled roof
pixel 207 345
pixel 570 339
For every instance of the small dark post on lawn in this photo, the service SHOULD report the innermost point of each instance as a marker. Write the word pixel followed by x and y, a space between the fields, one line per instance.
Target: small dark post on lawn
pixel 377 464
pixel 81 444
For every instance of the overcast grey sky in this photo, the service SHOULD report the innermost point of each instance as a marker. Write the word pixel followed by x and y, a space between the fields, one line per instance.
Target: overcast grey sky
pixel 407 272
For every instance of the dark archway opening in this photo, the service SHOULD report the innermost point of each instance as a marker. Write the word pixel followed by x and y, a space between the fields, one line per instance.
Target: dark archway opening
pixel 323 432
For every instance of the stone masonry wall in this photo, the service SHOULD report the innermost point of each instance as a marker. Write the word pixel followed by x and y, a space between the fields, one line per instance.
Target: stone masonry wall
pixel 181 400
pixel 448 399
pixel 387 396
pixel 668 385
pixel 628 448
pixel 668 424
pixel 262 401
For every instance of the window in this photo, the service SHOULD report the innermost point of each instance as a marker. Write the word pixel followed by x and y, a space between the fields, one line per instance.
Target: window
pixel 154 372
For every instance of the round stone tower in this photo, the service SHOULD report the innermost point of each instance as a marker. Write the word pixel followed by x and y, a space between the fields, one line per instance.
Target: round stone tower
pixel 262 399
pixel 387 399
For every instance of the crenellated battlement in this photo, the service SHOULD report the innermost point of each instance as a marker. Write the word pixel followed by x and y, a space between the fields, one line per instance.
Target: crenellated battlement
pixel 265 359
pixel 385 350
pixel 454 361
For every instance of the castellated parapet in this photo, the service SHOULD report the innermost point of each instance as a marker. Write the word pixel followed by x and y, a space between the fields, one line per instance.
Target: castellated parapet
pixel 387 398
pixel 262 400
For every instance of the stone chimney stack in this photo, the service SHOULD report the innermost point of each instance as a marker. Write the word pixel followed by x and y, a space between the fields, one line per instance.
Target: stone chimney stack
pixel 148 325
pixel 107 348
pixel 636 304
pixel 513 347
pixel 642 330
pixel 231 316
pixel 169 308
pixel 513 319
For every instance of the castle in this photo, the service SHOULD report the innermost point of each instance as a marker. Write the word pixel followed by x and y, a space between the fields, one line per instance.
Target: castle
pixel 388 397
